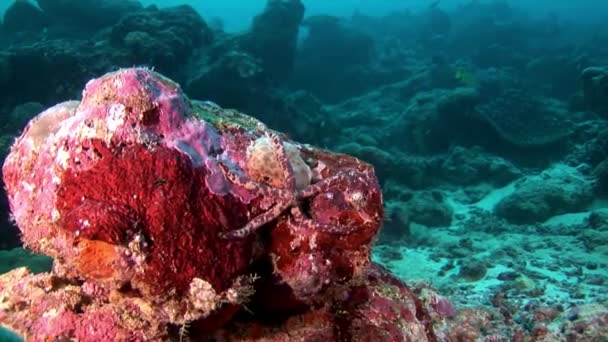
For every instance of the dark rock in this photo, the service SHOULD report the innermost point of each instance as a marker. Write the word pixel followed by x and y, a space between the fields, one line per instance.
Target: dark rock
pixel 308 119
pixel 384 162
pixel 597 280
pixel 595 88
pixel 397 222
pixel 234 78
pixel 439 22
pixel 231 78
pixel 273 37
pixel 22 15
pixel 245 71
pixel 334 60
pixel 559 190
pixel 429 208
pixel 437 119
pixel 469 166
pixel 595 234
pixel 507 276
pixel 472 270
pixel 19 117
pixel 558 74
pixel 66 64
pixel 161 38
pixel 6 72
pixel 90 14
pixel 528 121
pixel 590 143
pixel 600 172
pixel 598 219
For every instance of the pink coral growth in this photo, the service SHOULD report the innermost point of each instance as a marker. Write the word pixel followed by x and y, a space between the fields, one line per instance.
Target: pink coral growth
pixel 132 190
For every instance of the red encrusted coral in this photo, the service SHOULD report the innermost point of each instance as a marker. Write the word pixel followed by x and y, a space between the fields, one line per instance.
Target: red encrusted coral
pixel 378 308
pixel 123 189
pixel 162 212
pixel 121 180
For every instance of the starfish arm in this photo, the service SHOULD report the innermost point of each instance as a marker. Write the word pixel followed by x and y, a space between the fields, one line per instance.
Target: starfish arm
pixel 246 183
pixel 290 180
pixel 332 182
pixel 298 220
pixel 323 186
pixel 255 223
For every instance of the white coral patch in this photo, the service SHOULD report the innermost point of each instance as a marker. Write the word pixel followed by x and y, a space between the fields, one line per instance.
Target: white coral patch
pixel 50 314
pixel 27 187
pixel 202 295
pixel 87 131
pixel 117 83
pixel 116 117
pixel 55 215
pixel 62 157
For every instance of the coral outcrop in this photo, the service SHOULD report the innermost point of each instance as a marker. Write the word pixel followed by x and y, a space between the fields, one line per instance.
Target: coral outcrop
pixel 164 38
pixel 161 212
pixel 275 29
pixel 91 15
pixel 595 88
pixel 558 190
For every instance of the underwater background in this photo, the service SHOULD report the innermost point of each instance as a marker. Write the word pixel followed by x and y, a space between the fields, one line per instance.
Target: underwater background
pixel 486 122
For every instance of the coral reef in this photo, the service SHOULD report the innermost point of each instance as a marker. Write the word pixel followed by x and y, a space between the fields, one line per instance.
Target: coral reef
pixel 140 196
pixel 485 123
pixel 168 218
pixel 561 189
pixel 164 38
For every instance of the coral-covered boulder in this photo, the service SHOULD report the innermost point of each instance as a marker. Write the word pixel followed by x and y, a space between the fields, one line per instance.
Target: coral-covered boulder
pixel 335 245
pixel 124 191
pixel 123 180
pixel 173 208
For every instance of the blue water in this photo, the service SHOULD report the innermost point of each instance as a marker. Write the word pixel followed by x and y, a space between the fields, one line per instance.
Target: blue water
pixel 237 14
pixel 7 336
